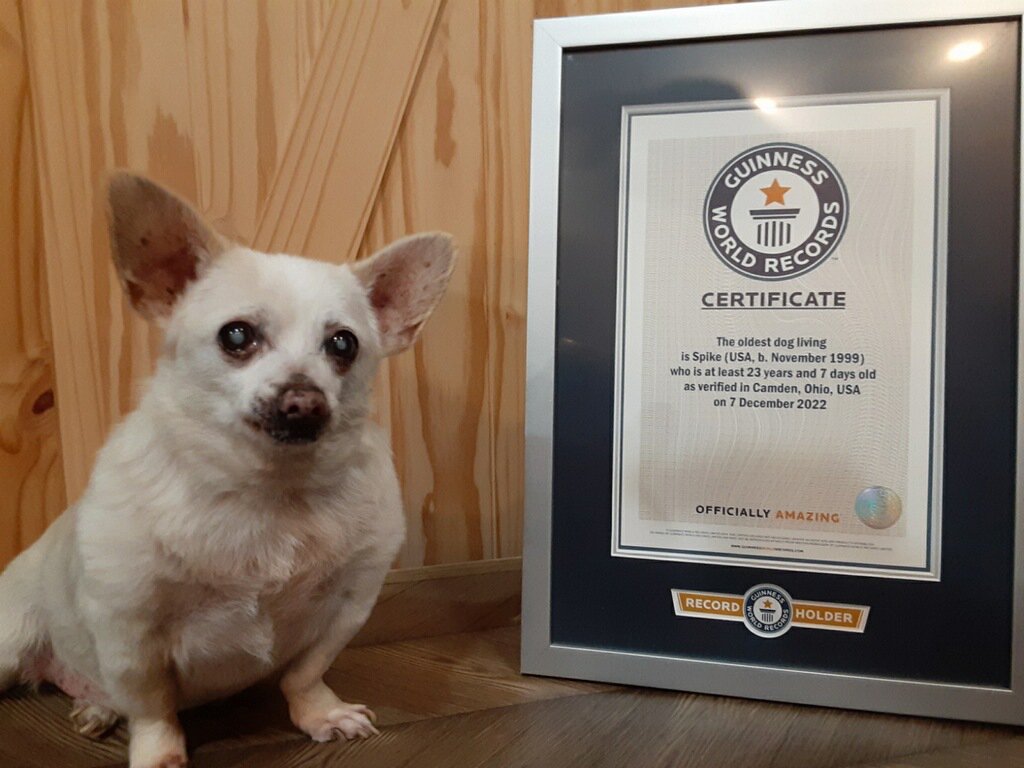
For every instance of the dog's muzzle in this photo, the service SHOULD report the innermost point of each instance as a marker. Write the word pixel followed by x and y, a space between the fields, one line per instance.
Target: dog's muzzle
pixel 298 414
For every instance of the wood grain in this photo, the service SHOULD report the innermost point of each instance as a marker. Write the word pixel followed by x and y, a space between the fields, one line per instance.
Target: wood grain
pixel 35 732
pixel 443 676
pixel 998 753
pixel 627 728
pixel 108 91
pixel 548 8
pixel 31 469
pixel 459 701
pixel 249 66
pixel 324 128
pixel 455 405
pixel 347 122
pixel 445 599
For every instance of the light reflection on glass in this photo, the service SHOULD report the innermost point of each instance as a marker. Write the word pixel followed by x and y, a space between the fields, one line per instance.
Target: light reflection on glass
pixel 965 50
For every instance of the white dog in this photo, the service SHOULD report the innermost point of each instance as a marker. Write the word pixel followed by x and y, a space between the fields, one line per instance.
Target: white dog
pixel 238 525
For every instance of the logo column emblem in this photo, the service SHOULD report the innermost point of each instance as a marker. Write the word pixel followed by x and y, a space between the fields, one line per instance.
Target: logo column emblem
pixel 776 211
pixel 767 610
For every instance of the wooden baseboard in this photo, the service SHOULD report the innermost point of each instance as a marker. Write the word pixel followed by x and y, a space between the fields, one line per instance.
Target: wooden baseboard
pixel 445 599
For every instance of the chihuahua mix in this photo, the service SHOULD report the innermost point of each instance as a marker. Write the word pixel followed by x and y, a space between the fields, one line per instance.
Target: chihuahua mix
pixel 239 524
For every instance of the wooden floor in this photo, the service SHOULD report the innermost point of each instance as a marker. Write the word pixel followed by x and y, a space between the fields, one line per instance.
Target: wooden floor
pixel 458 701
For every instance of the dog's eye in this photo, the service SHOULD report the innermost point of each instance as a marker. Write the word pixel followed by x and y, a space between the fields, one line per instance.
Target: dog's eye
pixel 342 346
pixel 238 338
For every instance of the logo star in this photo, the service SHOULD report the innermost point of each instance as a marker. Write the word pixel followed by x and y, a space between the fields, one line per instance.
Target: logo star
pixel 776 193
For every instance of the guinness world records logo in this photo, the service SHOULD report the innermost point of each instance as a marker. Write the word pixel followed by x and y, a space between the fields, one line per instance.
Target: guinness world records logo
pixel 767 610
pixel 776 211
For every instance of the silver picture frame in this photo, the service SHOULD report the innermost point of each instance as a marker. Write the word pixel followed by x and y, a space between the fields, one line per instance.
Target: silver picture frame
pixel 553 38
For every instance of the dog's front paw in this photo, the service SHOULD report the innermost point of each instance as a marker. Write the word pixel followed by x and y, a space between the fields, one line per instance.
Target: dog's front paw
pixel 156 744
pixel 93 720
pixel 171 761
pixel 350 721
pixel 168 760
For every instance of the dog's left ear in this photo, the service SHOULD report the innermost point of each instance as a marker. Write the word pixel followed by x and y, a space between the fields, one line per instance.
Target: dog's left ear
pixel 160 243
pixel 404 282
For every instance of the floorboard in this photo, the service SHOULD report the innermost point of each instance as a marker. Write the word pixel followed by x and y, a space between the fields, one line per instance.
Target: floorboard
pixel 632 728
pixel 998 753
pixel 459 701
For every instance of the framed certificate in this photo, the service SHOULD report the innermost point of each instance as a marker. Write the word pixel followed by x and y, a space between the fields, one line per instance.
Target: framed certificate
pixel 773 357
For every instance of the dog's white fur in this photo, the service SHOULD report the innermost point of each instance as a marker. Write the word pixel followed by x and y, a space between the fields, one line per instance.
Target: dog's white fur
pixel 204 556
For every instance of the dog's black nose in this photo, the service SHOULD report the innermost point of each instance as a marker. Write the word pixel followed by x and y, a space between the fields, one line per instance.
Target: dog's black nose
pixel 307 403
pixel 301 413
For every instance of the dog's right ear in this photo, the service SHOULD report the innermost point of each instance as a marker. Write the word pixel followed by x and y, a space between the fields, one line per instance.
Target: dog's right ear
pixel 404 282
pixel 160 244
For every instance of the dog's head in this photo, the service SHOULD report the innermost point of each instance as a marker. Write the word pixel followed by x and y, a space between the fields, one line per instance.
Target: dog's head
pixel 275 348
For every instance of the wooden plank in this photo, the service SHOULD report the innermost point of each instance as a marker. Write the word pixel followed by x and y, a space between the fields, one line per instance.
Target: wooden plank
pixel 449 570
pixel 998 753
pixel 443 676
pixel 454 406
pixel 548 8
pixel 108 91
pixel 445 599
pixel 36 732
pixel 321 196
pixel 458 700
pixel 249 65
pixel 31 470
pixel 615 729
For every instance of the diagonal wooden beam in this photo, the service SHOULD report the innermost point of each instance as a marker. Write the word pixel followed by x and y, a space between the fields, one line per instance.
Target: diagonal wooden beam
pixel 328 179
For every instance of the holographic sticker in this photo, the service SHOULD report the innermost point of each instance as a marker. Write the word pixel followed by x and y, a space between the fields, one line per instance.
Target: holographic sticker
pixel 878 507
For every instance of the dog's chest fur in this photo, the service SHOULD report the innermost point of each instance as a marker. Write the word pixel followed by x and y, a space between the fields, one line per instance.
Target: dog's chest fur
pixel 236 614
pixel 241 578
pixel 226 633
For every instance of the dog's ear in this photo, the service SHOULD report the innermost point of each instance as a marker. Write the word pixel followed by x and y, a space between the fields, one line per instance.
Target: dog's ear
pixel 160 244
pixel 404 282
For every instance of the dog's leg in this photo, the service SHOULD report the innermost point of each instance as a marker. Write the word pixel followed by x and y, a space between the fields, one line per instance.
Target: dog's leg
pixel 314 708
pixel 156 743
pixel 155 738
pixel 21 630
pixel 141 686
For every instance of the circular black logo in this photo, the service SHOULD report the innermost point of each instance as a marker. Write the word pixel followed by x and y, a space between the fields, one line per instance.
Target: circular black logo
pixel 775 211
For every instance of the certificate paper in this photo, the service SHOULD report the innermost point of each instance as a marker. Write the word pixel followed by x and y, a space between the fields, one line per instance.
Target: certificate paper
pixel 779 333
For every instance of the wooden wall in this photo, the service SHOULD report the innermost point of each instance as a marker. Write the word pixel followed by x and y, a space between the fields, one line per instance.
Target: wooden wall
pixel 320 128
pixel 32 488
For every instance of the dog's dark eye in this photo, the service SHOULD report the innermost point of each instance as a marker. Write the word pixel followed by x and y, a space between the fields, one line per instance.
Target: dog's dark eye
pixel 238 338
pixel 342 346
